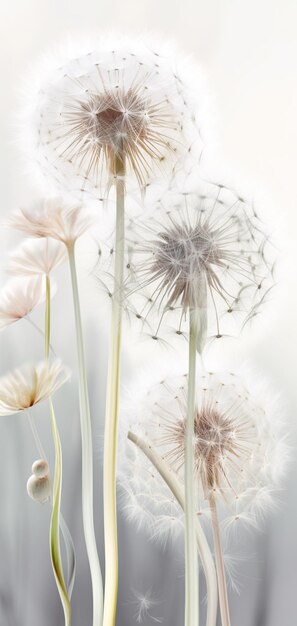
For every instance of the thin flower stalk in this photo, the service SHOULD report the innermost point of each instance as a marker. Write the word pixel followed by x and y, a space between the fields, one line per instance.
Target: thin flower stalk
pixel 47 333
pixel 219 558
pixel 172 481
pixel 57 520
pixel 65 223
pixel 87 453
pixel 56 524
pixel 191 564
pixel 111 418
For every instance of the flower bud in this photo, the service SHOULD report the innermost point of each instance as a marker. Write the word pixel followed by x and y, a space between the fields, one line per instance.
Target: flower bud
pixel 39 483
pixel 40 468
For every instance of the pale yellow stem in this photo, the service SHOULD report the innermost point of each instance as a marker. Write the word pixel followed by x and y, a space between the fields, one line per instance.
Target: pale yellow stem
pixel 111 414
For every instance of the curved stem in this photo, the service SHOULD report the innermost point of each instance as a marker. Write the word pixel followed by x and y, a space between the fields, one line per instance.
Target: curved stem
pixel 87 454
pixel 55 523
pixel 176 488
pixel 70 555
pixel 223 594
pixel 56 516
pixel 111 416
pixel 191 562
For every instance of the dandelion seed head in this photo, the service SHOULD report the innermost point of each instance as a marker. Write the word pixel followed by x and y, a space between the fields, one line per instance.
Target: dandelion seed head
pixel 204 250
pixel 235 452
pixel 118 108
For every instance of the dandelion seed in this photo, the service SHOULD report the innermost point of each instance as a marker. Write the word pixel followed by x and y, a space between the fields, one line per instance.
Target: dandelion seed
pixel 144 603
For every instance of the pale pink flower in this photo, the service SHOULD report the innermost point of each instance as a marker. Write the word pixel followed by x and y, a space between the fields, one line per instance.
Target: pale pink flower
pixel 24 387
pixel 18 298
pixel 34 257
pixel 55 219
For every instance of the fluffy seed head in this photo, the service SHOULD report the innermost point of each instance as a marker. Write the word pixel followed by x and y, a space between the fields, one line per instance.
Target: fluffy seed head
pixel 239 451
pixel 207 251
pixel 24 387
pixel 113 110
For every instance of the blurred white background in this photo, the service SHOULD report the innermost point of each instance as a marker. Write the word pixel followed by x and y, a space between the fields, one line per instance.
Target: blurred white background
pixel 248 51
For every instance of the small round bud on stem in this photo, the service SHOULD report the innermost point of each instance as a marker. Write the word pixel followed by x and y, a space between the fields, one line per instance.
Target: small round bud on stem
pixel 40 468
pixel 39 483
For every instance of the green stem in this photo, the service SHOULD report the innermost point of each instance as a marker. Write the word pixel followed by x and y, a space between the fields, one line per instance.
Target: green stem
pixel 191 561
pixel 87 454
pixel 177 490
pixel 223 594
pixel 47 332
pixel 55 522
pixel 111 415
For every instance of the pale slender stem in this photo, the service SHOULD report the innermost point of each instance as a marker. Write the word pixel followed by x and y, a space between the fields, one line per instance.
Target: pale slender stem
pixel 55 523
pixel 41 332
pixel 191 561
pixel 87 455
pixel 70 552
pixel 111 416
pixel 36 437
pixel 177 490
pixel 47 332
pixel 223 593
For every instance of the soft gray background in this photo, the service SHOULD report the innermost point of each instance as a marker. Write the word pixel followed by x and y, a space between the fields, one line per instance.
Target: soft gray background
pixel 249 52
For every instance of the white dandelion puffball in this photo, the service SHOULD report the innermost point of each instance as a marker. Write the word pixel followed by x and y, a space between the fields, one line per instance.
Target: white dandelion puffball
pixel 239 451
pixel 205 250
pixel 118 109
